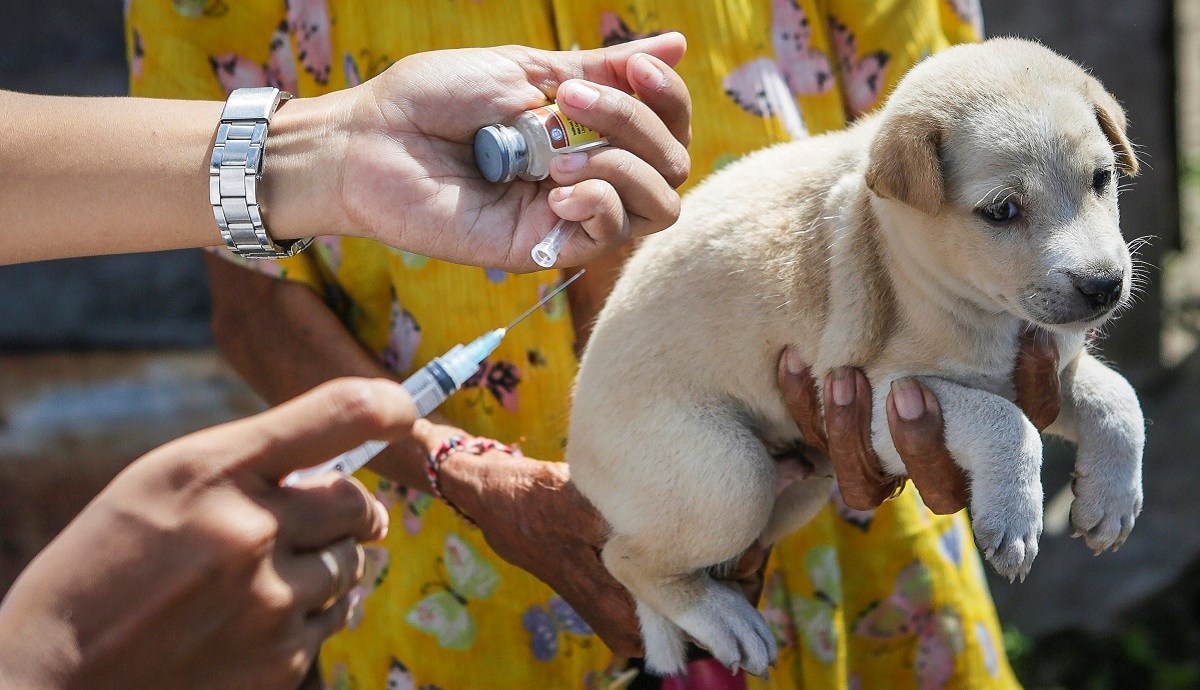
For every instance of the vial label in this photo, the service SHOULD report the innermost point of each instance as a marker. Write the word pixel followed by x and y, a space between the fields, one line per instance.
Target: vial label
pixel 562 130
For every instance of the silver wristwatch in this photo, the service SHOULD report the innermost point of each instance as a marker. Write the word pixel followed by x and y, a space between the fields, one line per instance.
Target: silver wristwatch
pixel 235 169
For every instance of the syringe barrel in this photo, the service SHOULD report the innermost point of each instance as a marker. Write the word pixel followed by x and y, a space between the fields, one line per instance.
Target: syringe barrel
pixel 429 387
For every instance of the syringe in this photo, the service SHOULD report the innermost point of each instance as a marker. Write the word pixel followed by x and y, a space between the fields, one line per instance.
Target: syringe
pixel 429 387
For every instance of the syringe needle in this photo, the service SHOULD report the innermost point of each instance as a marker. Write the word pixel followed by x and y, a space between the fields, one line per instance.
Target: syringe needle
pixel 561 286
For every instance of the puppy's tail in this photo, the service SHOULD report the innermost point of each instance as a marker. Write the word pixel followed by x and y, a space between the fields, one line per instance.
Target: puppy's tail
pixel 666 654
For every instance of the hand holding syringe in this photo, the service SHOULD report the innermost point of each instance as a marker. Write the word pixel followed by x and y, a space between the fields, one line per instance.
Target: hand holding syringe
pixel 429 387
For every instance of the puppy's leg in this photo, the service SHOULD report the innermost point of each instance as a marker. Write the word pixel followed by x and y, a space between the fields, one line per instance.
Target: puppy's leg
pixel 1001 451
pixel 697 497
pixel 796 506
pixel 668 601
pixel 1101 414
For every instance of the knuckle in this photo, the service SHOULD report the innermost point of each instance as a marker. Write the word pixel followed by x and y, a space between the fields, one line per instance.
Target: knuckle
pixel 350 499
pixel 625 110
pixel 275 599
pixel 679 166
pixel 359 402
pixel 245 529
pixel 673 207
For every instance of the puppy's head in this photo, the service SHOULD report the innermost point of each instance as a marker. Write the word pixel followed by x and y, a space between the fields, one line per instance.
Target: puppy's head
pixel 997 167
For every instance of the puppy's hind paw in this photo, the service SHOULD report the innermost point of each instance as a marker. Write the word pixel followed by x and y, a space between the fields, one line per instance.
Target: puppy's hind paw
pixel 666 654
pixel 731 630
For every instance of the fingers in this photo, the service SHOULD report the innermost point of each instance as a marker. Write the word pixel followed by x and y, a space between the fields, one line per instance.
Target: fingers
pixel 320 626
pixel 328 420
pixel 799 390
pixel 607 66
pixel 630 124
pixel 860 476
pixel 1036 377
pixel 318 578
pixel 661 88
pixel 750 571
pixel 321 510
pixel 641 201
pixel 915 421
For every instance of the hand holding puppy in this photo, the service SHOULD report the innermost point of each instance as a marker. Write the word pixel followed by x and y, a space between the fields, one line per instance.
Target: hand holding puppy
pixel 845 436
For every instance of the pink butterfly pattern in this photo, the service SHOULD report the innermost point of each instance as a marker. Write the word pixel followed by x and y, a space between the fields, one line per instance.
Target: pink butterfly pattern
pixel 970 12
pixel 235 71
pixel 403 338
pixel 909 612
pixel 768 87
pixel 138 55
pixel 614 30
pixel 501 379
pixel 862 78
pixel 309 23
pixel 416 504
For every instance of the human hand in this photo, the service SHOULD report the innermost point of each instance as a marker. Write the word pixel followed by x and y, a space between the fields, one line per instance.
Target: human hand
pixel 195 568
pixel 915 420
pixel 534 518
pixel 399 164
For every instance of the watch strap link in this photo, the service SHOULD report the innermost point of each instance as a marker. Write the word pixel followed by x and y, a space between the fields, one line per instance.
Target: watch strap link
pixel 234 171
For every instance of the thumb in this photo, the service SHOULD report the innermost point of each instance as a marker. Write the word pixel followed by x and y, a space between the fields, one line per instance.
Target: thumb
pixel 604 65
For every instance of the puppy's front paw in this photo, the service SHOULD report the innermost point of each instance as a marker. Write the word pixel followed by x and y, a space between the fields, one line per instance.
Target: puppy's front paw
pixel 1007 527
pixel 1105 506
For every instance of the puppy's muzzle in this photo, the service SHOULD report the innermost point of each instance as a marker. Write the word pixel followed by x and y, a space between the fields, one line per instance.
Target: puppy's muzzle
pixel 1100 291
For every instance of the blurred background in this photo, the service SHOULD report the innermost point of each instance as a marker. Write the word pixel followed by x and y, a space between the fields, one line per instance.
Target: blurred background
pixel 103 359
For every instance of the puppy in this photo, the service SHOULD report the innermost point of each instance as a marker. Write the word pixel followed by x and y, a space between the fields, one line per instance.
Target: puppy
pixel 920 242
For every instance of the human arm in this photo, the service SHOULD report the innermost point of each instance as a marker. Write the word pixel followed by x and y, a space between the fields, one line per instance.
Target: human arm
pixel 390 160
pixel 195 568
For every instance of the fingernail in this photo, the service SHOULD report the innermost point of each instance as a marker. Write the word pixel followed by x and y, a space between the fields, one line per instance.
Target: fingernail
pixel 646 72
pixel 561 193
pixel 578 94
pixel 910 403
pixel 793 362
pixel 570 162
pixel 843 386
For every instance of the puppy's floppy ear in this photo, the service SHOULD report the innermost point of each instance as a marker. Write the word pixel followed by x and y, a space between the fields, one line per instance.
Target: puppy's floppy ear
pixel 904 161
pixel 1111 117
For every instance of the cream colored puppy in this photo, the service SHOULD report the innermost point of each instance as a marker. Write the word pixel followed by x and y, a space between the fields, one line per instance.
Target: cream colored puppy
pixel 917 243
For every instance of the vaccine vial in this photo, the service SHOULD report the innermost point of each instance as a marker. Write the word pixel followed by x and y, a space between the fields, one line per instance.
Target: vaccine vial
pixel 524 149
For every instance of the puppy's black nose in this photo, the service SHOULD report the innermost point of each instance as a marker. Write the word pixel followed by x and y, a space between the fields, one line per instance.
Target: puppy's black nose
pixel 1101 290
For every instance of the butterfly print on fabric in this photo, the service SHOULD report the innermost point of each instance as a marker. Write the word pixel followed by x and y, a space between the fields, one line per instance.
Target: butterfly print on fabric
pixel 862 78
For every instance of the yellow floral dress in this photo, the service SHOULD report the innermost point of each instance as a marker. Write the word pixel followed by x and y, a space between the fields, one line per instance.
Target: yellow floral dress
pixel 889 599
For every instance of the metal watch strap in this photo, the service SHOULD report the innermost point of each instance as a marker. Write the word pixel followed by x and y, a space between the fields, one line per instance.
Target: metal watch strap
pixel 234 171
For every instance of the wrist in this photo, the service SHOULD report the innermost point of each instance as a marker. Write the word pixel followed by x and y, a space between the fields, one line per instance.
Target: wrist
pixel 301 180
pixel 462 478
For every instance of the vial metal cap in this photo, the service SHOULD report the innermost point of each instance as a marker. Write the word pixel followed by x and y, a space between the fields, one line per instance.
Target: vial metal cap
pixel 500 153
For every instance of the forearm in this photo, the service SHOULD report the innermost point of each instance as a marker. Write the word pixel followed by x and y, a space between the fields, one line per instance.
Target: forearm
pixel 284 340
pixel 86 176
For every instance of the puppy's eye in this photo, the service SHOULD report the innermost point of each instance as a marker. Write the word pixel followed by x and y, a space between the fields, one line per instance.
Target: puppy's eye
pixel 1000 212
pixel 1101 179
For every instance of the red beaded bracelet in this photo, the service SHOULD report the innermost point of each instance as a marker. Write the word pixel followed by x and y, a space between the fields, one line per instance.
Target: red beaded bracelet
pixel 477 446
